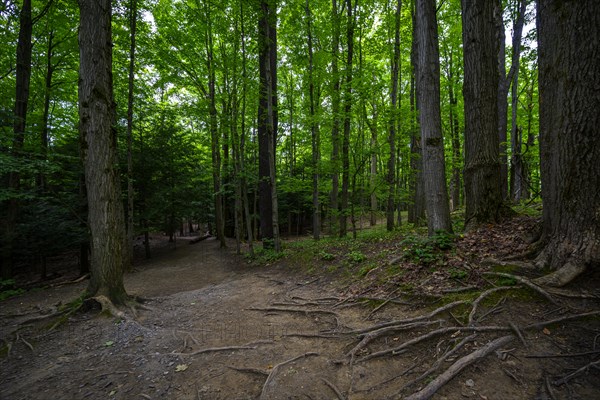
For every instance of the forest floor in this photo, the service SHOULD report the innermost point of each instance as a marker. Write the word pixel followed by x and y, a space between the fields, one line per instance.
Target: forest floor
pixel 373 318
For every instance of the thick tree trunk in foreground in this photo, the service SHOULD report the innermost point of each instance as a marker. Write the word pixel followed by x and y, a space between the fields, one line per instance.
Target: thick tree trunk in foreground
pixel 434 170
pixel 569 65
pixel 483 196
pixel 99 151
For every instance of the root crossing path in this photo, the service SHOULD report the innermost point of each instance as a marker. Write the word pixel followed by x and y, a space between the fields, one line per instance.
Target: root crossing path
pixel 217 328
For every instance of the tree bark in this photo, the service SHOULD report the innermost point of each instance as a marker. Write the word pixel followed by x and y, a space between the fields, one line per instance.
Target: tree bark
pixel 569 61
pixel 130 190
pixel 267 124
pixel 99 150
pixel 432 142
pixel 483 196
pixel 351 14
pixel 391 173
pixel 416 209
pixel 335 110
pixel 314 129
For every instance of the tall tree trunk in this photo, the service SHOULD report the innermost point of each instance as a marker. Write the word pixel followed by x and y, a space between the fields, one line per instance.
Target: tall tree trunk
pixel 502 93
pixel 130 191
pixel 483 196
pixel 214 132
pixel 569 61
pixel 516 171
pixel 267 124
pixel 455 181
pixel 335 110
pixel 314 129
pixel 351 14
pixel 373 170
pixel 23 75
pixel 432 142
pixel 41 179
pixel 99 150
pixel 391 173
pixel 243 183
pixel 416 209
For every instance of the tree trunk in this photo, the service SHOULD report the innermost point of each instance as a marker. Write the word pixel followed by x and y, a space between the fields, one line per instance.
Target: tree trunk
pixel 391 173
pixel 335 110
pixel 455 181
pixel 416 209
pixel 351 14
pixel 502 93
pixel 23 75
pixel 515 133
pixel 483 196
pixel 130 191
pixel 314 129
pixel 267 124
pixel 432 142
pixel 214 133
pixel 569 61
pixel 99 150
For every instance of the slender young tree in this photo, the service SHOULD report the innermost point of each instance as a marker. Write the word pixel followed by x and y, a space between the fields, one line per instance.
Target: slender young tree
pixel 569 61
pixel 391 173
pixel 483 196
pixel 432 142
pixel 350 27
pixel 335 111
pixel 314 128
pixel 130 82
pixel 99 151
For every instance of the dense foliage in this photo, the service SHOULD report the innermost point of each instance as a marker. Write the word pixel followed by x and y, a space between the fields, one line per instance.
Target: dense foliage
pixel 180 46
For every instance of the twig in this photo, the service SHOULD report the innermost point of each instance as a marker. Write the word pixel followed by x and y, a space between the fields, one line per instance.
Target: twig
pixel 275 370
pixel 292 310
pixel 458 366
pixel 250 370
pixel 459 289
pixel 250 346
pixel 337 392
pixel 483 296
pixel 587 353
pixel 568 317
pixel 570 376
pixel 517 331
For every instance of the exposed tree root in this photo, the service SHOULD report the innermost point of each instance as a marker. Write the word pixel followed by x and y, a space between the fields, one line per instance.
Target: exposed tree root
pixel 337 392
pixel 275 371
pixel 567 378
pixel 526 282
pixel 483 296
pixel 436 366
pixel 372 335
pixel 256 371
pixel 249 346
pixel 432 314
pixel 458 366
pixel 492 262
pixel 562 276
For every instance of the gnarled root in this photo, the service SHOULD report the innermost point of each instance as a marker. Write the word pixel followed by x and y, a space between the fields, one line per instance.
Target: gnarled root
pixel 562 276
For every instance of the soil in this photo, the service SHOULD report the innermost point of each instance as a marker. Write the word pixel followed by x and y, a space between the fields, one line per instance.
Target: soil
pixel 219 328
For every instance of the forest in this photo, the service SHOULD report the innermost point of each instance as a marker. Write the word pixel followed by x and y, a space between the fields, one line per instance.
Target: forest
pixel 256 125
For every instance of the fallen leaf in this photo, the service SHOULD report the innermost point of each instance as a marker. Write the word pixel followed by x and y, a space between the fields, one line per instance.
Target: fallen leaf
pixel 181 367
pixel 109 343
pixel 546 331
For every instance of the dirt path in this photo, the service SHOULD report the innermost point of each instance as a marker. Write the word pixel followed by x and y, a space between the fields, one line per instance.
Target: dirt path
pixel 220 329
